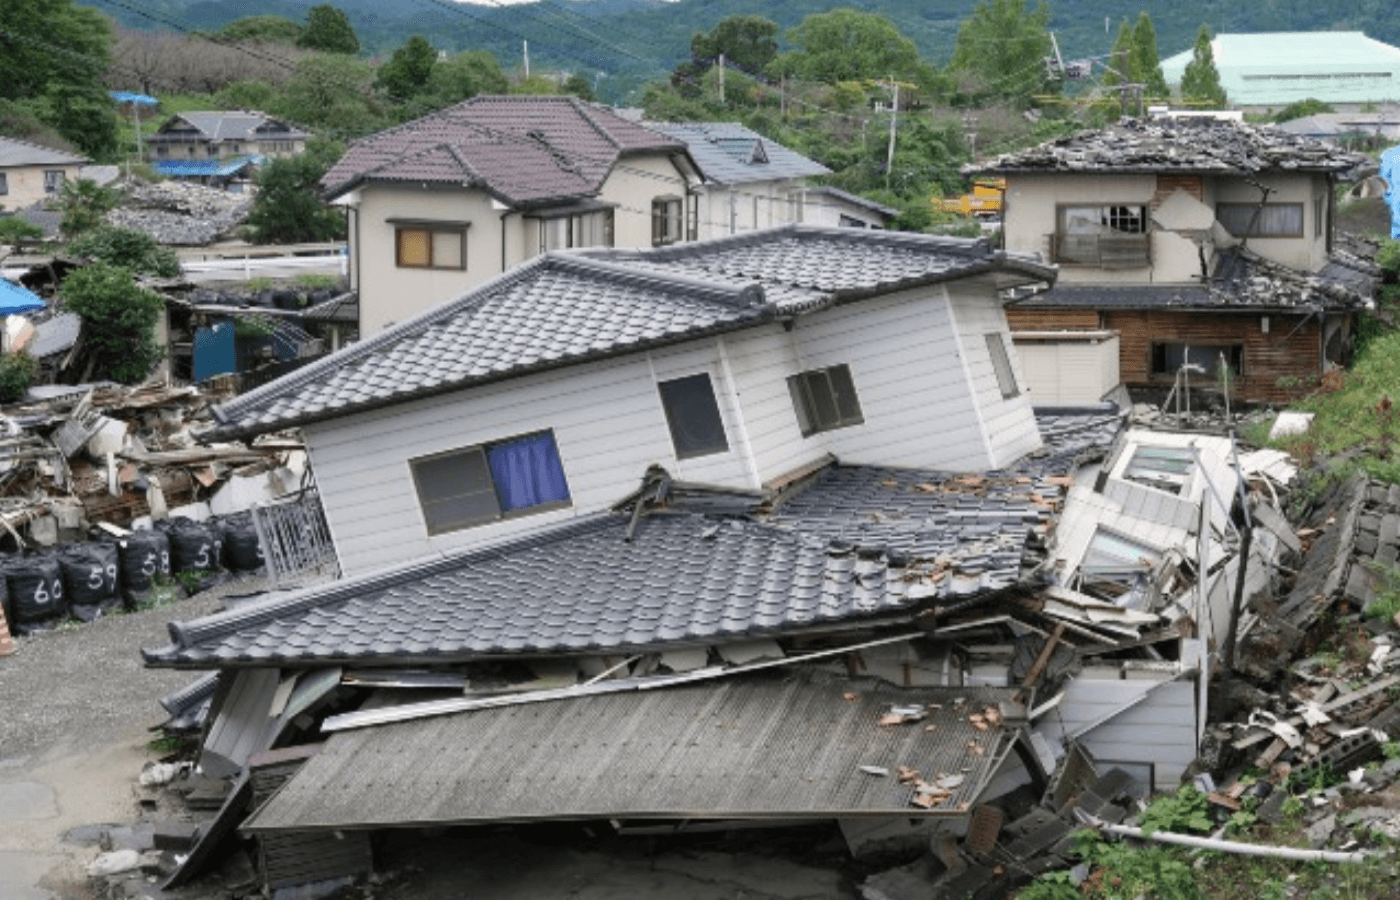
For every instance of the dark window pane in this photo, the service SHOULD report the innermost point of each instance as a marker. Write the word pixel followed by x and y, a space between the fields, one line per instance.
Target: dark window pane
pixel 823 403
pixel 802 404
pixel 455 490
pixel 847 404
pixel 693 414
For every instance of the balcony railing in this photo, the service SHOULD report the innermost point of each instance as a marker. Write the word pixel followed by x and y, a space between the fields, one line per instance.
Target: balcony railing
pixel 1115 250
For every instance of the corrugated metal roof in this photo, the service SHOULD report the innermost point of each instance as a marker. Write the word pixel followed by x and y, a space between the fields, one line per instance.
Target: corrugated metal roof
pixel 754 747
pixel 1278 68
pixel 729 153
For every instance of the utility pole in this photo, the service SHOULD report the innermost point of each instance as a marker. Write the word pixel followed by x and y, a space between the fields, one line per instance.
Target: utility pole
pixel 721 79
pixel 894 114
pixel 526 46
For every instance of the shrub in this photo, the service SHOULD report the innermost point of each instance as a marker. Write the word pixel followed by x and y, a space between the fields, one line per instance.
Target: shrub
pixel 13 229
pixel 16 373
pixel 128 248
pixel 119 319
pixel 84 203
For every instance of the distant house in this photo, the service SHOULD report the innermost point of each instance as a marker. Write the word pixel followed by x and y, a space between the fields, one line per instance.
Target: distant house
pixel 1346 69
pixel 446 202
pixel 1355 129
pixel 31 172
pixel 749 182
pixel 223 135
pixel 1200 241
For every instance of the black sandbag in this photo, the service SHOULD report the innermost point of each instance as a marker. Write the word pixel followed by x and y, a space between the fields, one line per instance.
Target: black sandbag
pixel 242 552
pixel 36 591
pixel 142 556
pixel 90 579
pixel 194 546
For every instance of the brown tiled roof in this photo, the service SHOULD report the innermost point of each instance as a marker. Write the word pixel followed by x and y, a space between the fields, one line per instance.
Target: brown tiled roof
pixel 523 150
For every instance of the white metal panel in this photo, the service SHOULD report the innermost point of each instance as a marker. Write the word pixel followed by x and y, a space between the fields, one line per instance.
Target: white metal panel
pixel 243 724
pixel 1010 426
pixel 1130 721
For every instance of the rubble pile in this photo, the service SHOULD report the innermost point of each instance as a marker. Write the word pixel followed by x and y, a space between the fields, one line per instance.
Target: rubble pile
pixel 288 297
pixel 181 213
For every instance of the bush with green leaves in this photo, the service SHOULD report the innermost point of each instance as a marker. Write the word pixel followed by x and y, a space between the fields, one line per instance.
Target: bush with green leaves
pixel 128 248
pixel 119 320
pixel 1185 811
pixel 84 203
pixel 16 373
pixel 13 229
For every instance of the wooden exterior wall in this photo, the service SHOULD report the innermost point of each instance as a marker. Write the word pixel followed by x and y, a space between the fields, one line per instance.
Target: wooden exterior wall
pixel 1279 365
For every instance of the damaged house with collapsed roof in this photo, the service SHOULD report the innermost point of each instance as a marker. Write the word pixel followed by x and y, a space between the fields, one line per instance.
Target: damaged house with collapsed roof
pixel 1183 240
pixel 756 530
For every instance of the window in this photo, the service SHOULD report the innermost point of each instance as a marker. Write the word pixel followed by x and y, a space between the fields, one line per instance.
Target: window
pixel 162 150
pixel 212 150
pixel 665 221
pixel 1112 237
pixel 1006 379
pixel 430 247
pixel 4 183
pixel 53 181
pixel 693 415
pixel 588 229
pixel 1267 220
pixel 1115 568
pixel 825 399
pixel 1164 468
pixel 1167 359
pixel 476 485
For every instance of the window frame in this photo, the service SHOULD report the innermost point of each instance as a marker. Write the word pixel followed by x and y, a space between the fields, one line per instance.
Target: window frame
pixel 679 435
pixel 431 229
pixel 53 181
pixel 1112 216
pixel 1221 207
pixel 1167 469
pixel 482 451
pixel 606 223
pixel 666 227
pixel 807 402
pixel 1001 365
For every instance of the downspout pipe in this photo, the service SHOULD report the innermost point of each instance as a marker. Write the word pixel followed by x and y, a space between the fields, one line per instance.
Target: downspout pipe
pixel 1238 848
pixel 503 238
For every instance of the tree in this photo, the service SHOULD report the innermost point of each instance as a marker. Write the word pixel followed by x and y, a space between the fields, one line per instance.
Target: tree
pixel 1200 81
pixel 408 70
pixel 13 229
pixel 847 45
pixel 1003 46
pixel 263 30
pixel 84 203
pixel 579 86
pixel 463 76
pixel 328 30
pixel 53 55
pixel 128 248
pixel 1120 61
pixel 1301 109
pixel 1146 64
pixel 330 93
pixel 119 319
pixel 747 43
pixel 288 208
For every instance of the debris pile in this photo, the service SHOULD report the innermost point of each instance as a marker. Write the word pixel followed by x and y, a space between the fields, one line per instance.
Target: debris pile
pixel 181 213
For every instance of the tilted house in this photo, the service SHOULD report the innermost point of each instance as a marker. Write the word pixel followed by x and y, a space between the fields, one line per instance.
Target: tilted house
pixel 750 182
pixel 1196 240
pixel 445 202
pixel 31 172
pixel 480 465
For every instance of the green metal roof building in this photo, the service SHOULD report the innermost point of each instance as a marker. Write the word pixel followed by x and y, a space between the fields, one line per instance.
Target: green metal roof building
pixel 1275 69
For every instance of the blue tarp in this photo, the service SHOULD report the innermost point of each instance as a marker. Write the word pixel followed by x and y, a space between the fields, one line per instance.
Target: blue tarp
pixel 1390 161
pixel 197 168
pixel 129 97
pixel 16 299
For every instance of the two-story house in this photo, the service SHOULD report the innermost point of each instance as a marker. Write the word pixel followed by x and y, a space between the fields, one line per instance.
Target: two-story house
pixel 1206 241
pixel 31 172
pixel 750 182
pixel 443 203
pixel 222 135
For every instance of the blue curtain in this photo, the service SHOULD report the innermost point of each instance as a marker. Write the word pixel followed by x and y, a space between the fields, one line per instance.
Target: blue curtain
pixel 527 472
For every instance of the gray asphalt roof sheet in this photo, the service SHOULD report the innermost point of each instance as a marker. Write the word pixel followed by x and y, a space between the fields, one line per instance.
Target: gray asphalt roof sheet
pixel 783 746
pixel 570 307
pixel 729 153
pixel 14 152
pixel 1177 145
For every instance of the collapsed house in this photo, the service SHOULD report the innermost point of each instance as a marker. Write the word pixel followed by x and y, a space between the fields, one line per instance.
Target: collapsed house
pixel 860 580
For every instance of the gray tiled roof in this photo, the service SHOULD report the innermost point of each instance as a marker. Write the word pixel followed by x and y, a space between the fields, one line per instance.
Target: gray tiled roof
pixel 1185 145
pixel 14 152
pixel 856 543
pixel 522 149
pixel 1241 283
pixel 570 307
pixel 233 125
pixel 729 153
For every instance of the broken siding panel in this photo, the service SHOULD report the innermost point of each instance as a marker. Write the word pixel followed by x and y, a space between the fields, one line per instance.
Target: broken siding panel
pixel 904 360
pixel 1130 721
pixel 1009 423
pixel 243 725
pixel 1279 365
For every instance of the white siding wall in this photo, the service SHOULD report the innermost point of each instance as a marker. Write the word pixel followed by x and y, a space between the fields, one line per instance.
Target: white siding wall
pixel 753 204
pixel 1008 422
pixel 1068 371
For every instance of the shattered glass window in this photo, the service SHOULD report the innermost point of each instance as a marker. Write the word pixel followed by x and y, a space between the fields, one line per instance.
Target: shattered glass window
pixel 1112 236
pixel 1164 468
pixel 1116 568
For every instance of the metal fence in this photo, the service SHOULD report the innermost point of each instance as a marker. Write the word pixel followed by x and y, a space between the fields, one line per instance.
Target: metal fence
pixel 295 539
